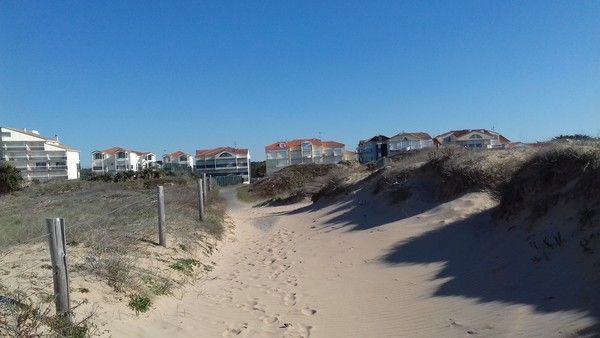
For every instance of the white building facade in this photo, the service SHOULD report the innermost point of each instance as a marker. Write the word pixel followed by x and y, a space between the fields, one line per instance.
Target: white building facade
pixel 117 159
pixel 404 142
pixel 38 157
pixel 285 153
pixel 223 161
pixel 472 139
pixel 178 161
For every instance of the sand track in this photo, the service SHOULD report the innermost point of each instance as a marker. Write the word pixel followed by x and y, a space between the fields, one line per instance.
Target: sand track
pixel 298 271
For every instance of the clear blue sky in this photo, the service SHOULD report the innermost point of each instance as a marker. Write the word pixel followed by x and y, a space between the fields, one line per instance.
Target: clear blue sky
pixel 168 75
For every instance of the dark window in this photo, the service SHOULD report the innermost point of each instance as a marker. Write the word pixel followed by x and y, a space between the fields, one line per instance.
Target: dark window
pixel 61 163
pixel 97 156
pixel 40 164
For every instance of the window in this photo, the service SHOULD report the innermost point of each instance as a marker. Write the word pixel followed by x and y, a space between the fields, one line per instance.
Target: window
pixel 121 155
pixel 98 156
pixel 183 159
pixel 226 155
pixel 475 136
pixel 149 157
pixel 41 164
pixel 63 163
pixel 5 134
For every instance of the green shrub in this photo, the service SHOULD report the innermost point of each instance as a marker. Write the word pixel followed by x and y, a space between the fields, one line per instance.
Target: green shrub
pixel 10 178
pixel 139 303
pixel 185 265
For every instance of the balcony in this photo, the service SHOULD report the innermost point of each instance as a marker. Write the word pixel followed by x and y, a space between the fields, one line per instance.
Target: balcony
pixel 58 167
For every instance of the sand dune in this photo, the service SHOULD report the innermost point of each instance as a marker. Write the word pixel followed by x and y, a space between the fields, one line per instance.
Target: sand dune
pixel 360 268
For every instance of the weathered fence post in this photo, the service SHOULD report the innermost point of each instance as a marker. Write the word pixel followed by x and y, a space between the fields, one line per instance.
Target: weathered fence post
pixel 201 199
pixel 205 184
pixel 58 254
pixel 162 236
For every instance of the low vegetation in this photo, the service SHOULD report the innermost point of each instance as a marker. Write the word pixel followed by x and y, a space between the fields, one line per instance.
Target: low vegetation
pixel 10 178
pixel 556 174
pixel 111 232
pixel 294 183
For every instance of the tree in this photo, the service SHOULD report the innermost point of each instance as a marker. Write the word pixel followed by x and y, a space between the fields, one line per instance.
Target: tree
pixel 10 178
pixel 258 169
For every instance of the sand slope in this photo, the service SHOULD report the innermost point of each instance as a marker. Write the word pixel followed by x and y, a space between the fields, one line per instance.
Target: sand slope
pixel 359 268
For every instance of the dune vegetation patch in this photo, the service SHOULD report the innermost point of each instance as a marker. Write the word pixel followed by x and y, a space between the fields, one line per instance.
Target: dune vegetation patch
pixel 557 174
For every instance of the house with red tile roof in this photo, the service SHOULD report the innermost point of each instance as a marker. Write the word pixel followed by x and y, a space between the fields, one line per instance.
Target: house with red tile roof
pixel 38 157
pixel 472 139
pixel 178 161
pixel 223 161
pixel 407 141
pixel 117 159
pixel 313 150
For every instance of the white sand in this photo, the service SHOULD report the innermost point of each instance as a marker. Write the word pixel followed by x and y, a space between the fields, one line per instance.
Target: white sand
pixel 361 269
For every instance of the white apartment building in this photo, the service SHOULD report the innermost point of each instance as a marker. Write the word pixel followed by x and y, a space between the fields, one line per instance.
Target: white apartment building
pixel 118 159
pixel 38 157
pixel 471 139
pixel 285 153
pixel 224 161
pixel 178 161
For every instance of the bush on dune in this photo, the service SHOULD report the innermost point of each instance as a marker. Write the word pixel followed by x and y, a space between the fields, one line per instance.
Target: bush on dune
pixel 292 180
pixel 10 178
pixel 553 175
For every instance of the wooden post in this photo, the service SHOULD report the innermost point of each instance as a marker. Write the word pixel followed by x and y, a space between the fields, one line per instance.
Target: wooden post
pixel 58 254
pixel 201 199
pixel 205 184
pixel 162 236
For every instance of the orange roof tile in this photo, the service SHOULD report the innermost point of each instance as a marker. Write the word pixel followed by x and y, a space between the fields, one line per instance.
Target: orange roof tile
pixel 215 151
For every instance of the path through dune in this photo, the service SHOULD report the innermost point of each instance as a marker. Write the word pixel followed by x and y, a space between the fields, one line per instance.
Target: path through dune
pixel 298 271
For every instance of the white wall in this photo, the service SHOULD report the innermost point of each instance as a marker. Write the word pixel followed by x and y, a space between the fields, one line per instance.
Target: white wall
pixel 73 165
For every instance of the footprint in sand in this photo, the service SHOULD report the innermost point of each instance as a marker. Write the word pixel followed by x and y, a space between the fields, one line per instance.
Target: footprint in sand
pixel 236 330
pixel 308 311
pixel 290 299
pixel 269 319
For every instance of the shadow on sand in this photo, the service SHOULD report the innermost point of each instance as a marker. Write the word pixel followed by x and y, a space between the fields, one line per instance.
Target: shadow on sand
pixel 491 264
pixel 363 210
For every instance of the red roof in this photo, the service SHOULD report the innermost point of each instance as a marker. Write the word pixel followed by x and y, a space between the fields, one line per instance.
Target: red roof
pixel 296 143
pixel 215 151
pixel 178 153
pixel 463 132
pixel 114 150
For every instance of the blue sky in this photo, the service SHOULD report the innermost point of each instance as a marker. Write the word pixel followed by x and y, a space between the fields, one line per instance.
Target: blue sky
pixel 169 75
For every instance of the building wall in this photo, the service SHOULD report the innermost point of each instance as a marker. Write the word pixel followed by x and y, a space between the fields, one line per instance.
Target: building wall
pixel 281 158
pixel 224 166
pixel 73 165
pixel 36 157
pixel 399 145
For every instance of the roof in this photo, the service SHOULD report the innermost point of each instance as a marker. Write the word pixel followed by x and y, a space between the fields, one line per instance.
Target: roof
pixel 418 135
pixel 376 138
pixel 215 151
pixel 178 153
pixel 114 150
pixel 54 143
pixel 463 132
pixel 297 142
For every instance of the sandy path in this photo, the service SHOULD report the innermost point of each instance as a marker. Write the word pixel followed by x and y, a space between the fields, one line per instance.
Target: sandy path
pixel 295 271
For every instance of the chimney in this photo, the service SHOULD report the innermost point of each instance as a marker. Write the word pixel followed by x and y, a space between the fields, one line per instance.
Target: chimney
pixel 56 137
